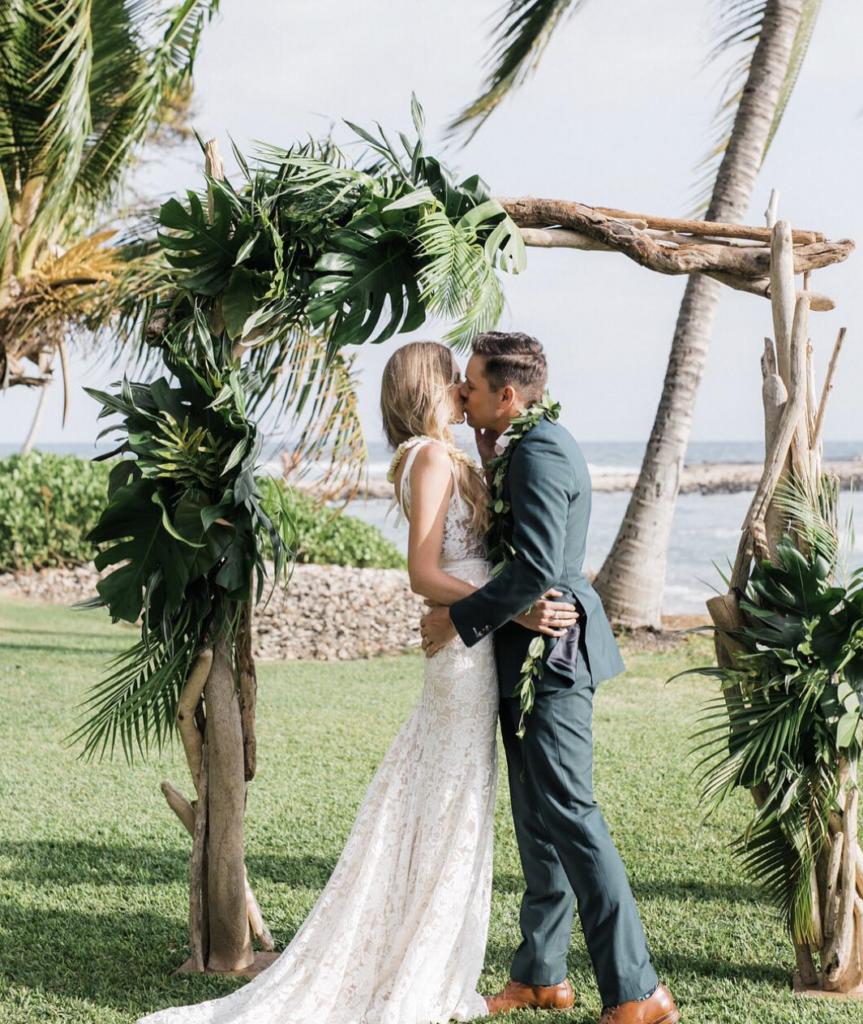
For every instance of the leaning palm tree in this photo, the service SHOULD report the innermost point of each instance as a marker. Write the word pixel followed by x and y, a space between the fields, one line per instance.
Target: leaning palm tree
pixel 772 37
pixel 82 84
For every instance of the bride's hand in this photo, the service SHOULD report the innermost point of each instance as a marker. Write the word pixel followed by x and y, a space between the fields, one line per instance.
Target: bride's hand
pixel 485 441
pixel 550 617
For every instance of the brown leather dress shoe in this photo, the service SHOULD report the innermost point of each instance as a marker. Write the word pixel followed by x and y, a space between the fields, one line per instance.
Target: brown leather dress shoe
pixel 518 996
pixel 658 1008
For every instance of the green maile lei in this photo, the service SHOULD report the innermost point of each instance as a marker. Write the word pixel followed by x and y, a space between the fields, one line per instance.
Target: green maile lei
pixel 500 549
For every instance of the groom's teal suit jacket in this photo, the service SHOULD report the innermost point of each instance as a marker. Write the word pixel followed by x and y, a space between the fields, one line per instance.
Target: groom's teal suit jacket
pixel 548 488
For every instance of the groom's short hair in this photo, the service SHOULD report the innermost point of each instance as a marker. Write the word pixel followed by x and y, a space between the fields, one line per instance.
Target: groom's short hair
pixel 513 358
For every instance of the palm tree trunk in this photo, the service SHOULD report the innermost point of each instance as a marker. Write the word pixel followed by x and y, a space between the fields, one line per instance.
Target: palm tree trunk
pixel 632 579
pixel 27 447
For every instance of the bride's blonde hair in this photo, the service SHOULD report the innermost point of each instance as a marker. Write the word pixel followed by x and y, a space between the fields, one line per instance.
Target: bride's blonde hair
pixel 418 398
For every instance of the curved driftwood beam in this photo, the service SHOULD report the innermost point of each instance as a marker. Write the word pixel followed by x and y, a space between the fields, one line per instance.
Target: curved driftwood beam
pixel 647 251
pixel 566 238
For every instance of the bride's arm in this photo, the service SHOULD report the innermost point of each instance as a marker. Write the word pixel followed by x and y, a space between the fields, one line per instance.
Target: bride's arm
pixel 431 487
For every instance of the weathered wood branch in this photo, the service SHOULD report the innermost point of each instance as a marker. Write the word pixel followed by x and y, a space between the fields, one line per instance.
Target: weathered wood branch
pixel 775 458
pixel 648 252
pixel 565 238
pixel 248 692
pixel 828 387
pixel 837 957
pixel 198 939
pixel 186 707
pixel 230 939
pixel 186 813
pixel 708 227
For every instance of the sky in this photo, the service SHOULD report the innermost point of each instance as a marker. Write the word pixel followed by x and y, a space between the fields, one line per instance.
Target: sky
pixel 618 114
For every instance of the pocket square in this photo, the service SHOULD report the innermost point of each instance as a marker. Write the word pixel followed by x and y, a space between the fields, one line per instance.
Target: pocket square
pixel 564 655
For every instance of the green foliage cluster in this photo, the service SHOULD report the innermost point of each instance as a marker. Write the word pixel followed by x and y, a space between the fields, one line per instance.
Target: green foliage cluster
pixel 790 710
pixel 50 503
pixel 324 536
pixel 312 244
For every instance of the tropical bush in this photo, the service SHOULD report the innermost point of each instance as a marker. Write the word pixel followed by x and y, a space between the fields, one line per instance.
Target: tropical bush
pixel 325 537
pixel 51 502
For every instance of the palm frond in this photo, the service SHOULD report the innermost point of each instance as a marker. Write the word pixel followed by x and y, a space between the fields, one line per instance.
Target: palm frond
pixel 739 25
pixel 319 387
pixel 812 512
pixel 519 40
pixel 137 703
pixel 457 282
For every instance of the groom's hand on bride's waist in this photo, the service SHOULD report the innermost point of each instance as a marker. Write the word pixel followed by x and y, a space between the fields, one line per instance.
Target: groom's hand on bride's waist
pixel 436 630
pixel 549 616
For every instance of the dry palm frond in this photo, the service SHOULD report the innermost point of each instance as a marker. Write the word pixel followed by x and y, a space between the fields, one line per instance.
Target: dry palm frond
pixel 85 289
pixel 320 387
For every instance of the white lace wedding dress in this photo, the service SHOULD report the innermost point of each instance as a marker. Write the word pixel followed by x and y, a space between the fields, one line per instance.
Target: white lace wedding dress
pixel 398 935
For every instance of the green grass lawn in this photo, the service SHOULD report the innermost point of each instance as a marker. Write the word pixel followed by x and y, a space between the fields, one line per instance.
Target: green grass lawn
pixel 94 866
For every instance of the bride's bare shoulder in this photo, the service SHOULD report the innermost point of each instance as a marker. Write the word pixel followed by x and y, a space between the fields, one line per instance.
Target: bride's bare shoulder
pixel 430 461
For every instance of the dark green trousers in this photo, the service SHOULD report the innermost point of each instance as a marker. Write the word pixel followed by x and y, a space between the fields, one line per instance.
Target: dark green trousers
pixel 567 853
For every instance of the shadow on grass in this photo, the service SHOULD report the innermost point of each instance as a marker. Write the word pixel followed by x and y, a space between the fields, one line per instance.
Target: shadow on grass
pixel 668 965
pixel 124 961
pixel 84 648
pixel 685 890
pixel 36 862
pixel 25 631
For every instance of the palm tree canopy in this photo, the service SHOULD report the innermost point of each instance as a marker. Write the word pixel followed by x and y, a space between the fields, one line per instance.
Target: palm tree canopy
pixel 524 30
pixel 81 83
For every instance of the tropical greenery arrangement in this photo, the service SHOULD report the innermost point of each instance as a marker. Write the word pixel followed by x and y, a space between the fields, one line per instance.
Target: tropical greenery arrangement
pixel 790 710
pixel 267 285
pixel 788 636
pixel 313 254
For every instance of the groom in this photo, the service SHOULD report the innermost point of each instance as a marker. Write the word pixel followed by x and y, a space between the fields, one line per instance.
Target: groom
pixel 567 853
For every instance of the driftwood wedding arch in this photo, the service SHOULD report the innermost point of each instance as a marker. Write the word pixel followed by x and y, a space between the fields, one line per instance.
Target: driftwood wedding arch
pixel 224 331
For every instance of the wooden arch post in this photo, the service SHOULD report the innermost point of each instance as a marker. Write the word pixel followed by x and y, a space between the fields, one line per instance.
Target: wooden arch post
pixel 793 422
pixel 216 722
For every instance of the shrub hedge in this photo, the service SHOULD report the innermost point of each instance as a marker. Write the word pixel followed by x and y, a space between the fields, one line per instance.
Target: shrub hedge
pixel 48 504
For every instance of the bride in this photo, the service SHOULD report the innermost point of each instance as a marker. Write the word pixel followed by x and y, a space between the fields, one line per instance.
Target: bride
pixel 398 934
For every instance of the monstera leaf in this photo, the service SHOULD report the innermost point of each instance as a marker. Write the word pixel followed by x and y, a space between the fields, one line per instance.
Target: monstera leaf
pixel 205 252
pixel 370 272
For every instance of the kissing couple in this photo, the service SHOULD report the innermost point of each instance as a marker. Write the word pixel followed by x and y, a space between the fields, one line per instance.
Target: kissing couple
pixel 398 934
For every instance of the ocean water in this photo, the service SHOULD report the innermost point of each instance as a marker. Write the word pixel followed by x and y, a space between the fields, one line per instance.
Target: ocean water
pixel 705 531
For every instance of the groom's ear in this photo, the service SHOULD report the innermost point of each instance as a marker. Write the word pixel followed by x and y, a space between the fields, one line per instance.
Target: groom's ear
pixel 510 399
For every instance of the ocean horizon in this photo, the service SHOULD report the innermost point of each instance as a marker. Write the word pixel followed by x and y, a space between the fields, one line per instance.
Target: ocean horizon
pixel 603 457
pixel 704 535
